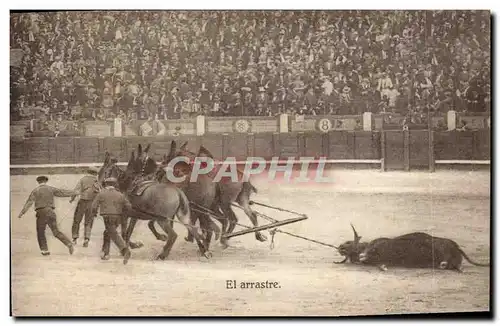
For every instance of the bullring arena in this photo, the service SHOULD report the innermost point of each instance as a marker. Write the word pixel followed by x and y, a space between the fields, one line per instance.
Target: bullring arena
pixel 392 99
pixel 453 204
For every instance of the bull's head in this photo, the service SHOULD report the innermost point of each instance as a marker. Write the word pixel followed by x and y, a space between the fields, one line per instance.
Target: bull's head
pixel 351 249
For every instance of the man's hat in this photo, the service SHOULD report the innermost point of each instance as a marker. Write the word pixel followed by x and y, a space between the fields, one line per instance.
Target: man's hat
pixel 42 178
pixel 110 180
pixel 92 170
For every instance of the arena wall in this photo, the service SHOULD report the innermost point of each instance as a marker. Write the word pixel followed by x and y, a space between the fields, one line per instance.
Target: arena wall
pixel 394 149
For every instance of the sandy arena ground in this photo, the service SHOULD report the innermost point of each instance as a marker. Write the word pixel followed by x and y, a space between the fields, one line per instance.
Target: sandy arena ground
pixel 447 204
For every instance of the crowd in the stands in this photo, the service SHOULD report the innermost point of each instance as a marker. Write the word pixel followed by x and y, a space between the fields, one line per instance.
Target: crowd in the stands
pixel 179 64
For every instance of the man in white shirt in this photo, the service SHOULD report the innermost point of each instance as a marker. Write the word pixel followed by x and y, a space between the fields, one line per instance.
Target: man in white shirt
pixel 327 86
pixel 384 84
pixel 392 95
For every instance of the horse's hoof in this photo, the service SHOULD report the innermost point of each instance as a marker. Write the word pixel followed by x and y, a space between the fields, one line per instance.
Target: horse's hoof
pixel 208 255
pixel 162 237
pixel 160 257
pixel 188 239
pixel 383 268
pixel 443 265
pixel 136 245
pixel 104 256
pixel 224 245
pixel 260 237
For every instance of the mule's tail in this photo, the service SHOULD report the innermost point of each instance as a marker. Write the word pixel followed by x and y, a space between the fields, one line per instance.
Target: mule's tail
pixel 183 211
pixel 471 261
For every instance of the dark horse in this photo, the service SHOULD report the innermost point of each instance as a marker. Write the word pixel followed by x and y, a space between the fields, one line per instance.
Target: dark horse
pixel 200 193
pixel 157 202
pixel 227 192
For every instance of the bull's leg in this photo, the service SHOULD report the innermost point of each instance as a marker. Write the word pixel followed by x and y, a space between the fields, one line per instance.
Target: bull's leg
pixel 158 236
pixel 171 237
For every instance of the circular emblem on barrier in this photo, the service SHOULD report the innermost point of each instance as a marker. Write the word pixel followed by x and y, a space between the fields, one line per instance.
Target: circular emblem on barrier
pixel 324 125
pixel 241 126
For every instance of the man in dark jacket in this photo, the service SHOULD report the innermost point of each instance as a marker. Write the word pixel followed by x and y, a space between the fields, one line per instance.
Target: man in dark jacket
pixel 43 198
pixel 87 187
pixel 113 207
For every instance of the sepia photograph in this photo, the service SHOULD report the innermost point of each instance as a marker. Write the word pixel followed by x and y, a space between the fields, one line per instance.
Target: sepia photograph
pixel 244 163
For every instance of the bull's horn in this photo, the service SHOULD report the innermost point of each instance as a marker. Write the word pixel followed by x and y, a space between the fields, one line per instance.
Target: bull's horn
pixel 139 150
pixel 356 236
pixel 147 148
pixel 184 146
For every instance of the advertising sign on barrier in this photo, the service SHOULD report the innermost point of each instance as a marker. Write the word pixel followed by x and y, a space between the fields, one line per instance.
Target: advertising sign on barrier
pixel 473 122
pixel 242 124
pixel 97 129
pixel 327 123
pixel 18 129
pixel 160 127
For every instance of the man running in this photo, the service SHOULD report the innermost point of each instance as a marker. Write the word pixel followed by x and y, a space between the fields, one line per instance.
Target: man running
pixel 113 206
pixel 43 198
pixel 87 187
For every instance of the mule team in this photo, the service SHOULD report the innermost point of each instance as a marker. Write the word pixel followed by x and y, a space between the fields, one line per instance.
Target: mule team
pixel 143 192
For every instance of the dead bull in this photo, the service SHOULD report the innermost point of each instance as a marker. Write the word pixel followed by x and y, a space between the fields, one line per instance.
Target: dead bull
pixel 417 250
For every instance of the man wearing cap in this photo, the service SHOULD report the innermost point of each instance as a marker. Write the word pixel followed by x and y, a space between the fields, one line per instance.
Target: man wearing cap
pixel 43 198
pixel 113 206
pixel 87 187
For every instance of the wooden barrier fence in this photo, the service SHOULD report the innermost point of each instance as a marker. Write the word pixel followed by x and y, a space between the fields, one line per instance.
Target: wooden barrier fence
pixel 394 150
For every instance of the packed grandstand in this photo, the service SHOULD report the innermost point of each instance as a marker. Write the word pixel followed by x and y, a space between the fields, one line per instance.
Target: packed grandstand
pixel 178 64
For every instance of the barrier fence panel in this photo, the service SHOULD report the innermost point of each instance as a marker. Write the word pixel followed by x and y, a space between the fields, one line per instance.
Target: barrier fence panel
pixel 313 145
pixel 482 144
pixel 264 145
pixel 213 142
pixel 339 145
pixel 418 149
pixel 236 145
pixel 367 145
pixel 453 145
pixel 287 145
pixel 398 150
pixel 394 150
